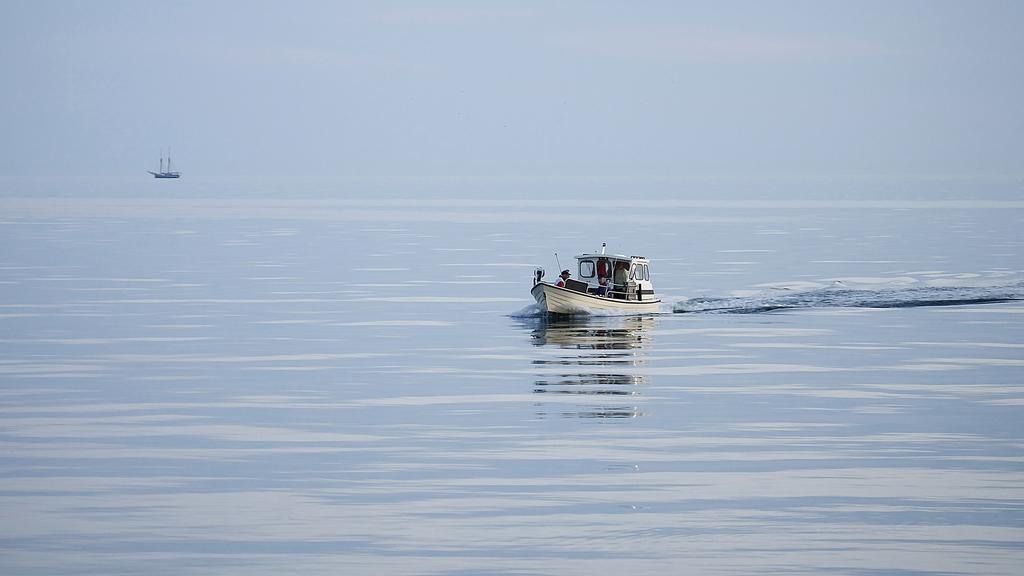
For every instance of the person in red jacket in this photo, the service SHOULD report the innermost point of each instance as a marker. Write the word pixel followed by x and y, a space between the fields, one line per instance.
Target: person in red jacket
pixel 562 278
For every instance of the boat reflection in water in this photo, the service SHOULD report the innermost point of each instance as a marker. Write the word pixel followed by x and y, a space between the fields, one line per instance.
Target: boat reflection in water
pixel 595 359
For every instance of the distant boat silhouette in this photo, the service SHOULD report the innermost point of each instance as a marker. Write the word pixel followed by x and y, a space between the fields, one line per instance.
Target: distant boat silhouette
pixel 168 173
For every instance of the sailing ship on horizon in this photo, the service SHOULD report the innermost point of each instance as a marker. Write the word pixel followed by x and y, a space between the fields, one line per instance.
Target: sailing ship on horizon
pixel 169 172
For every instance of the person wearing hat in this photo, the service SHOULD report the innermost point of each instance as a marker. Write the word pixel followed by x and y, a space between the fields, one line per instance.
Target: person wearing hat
pixel 562 278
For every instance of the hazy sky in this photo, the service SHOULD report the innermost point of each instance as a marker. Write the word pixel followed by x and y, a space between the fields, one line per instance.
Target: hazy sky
pixel 513 90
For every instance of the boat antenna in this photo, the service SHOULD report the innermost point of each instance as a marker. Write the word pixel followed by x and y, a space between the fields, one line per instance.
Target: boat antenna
pixel 559 263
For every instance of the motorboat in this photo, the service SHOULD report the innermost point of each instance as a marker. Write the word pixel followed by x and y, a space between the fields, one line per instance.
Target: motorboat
pixel 604 283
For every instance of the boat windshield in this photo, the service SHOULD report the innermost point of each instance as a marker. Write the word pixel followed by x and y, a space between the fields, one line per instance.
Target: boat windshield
pixel 587 268
pixel 593 269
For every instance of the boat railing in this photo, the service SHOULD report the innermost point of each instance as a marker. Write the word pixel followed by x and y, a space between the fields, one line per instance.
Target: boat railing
pixel 628 291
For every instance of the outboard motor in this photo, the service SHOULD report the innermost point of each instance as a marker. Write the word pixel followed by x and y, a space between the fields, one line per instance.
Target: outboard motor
pixel 538 273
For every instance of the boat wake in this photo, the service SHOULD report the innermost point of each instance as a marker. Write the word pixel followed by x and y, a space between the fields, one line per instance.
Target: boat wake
pixel 530 311
pixel 843 297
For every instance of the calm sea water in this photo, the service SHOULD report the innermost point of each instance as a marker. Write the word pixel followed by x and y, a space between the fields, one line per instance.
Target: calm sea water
pixel 362 387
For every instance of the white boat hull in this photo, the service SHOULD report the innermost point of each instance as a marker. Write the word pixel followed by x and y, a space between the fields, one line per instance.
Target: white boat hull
pixel 555 300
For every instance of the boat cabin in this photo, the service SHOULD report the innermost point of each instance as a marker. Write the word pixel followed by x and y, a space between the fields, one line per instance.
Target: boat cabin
pixel 614 276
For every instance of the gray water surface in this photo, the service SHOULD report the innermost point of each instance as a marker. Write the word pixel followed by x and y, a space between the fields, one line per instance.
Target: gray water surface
pixel 363 387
